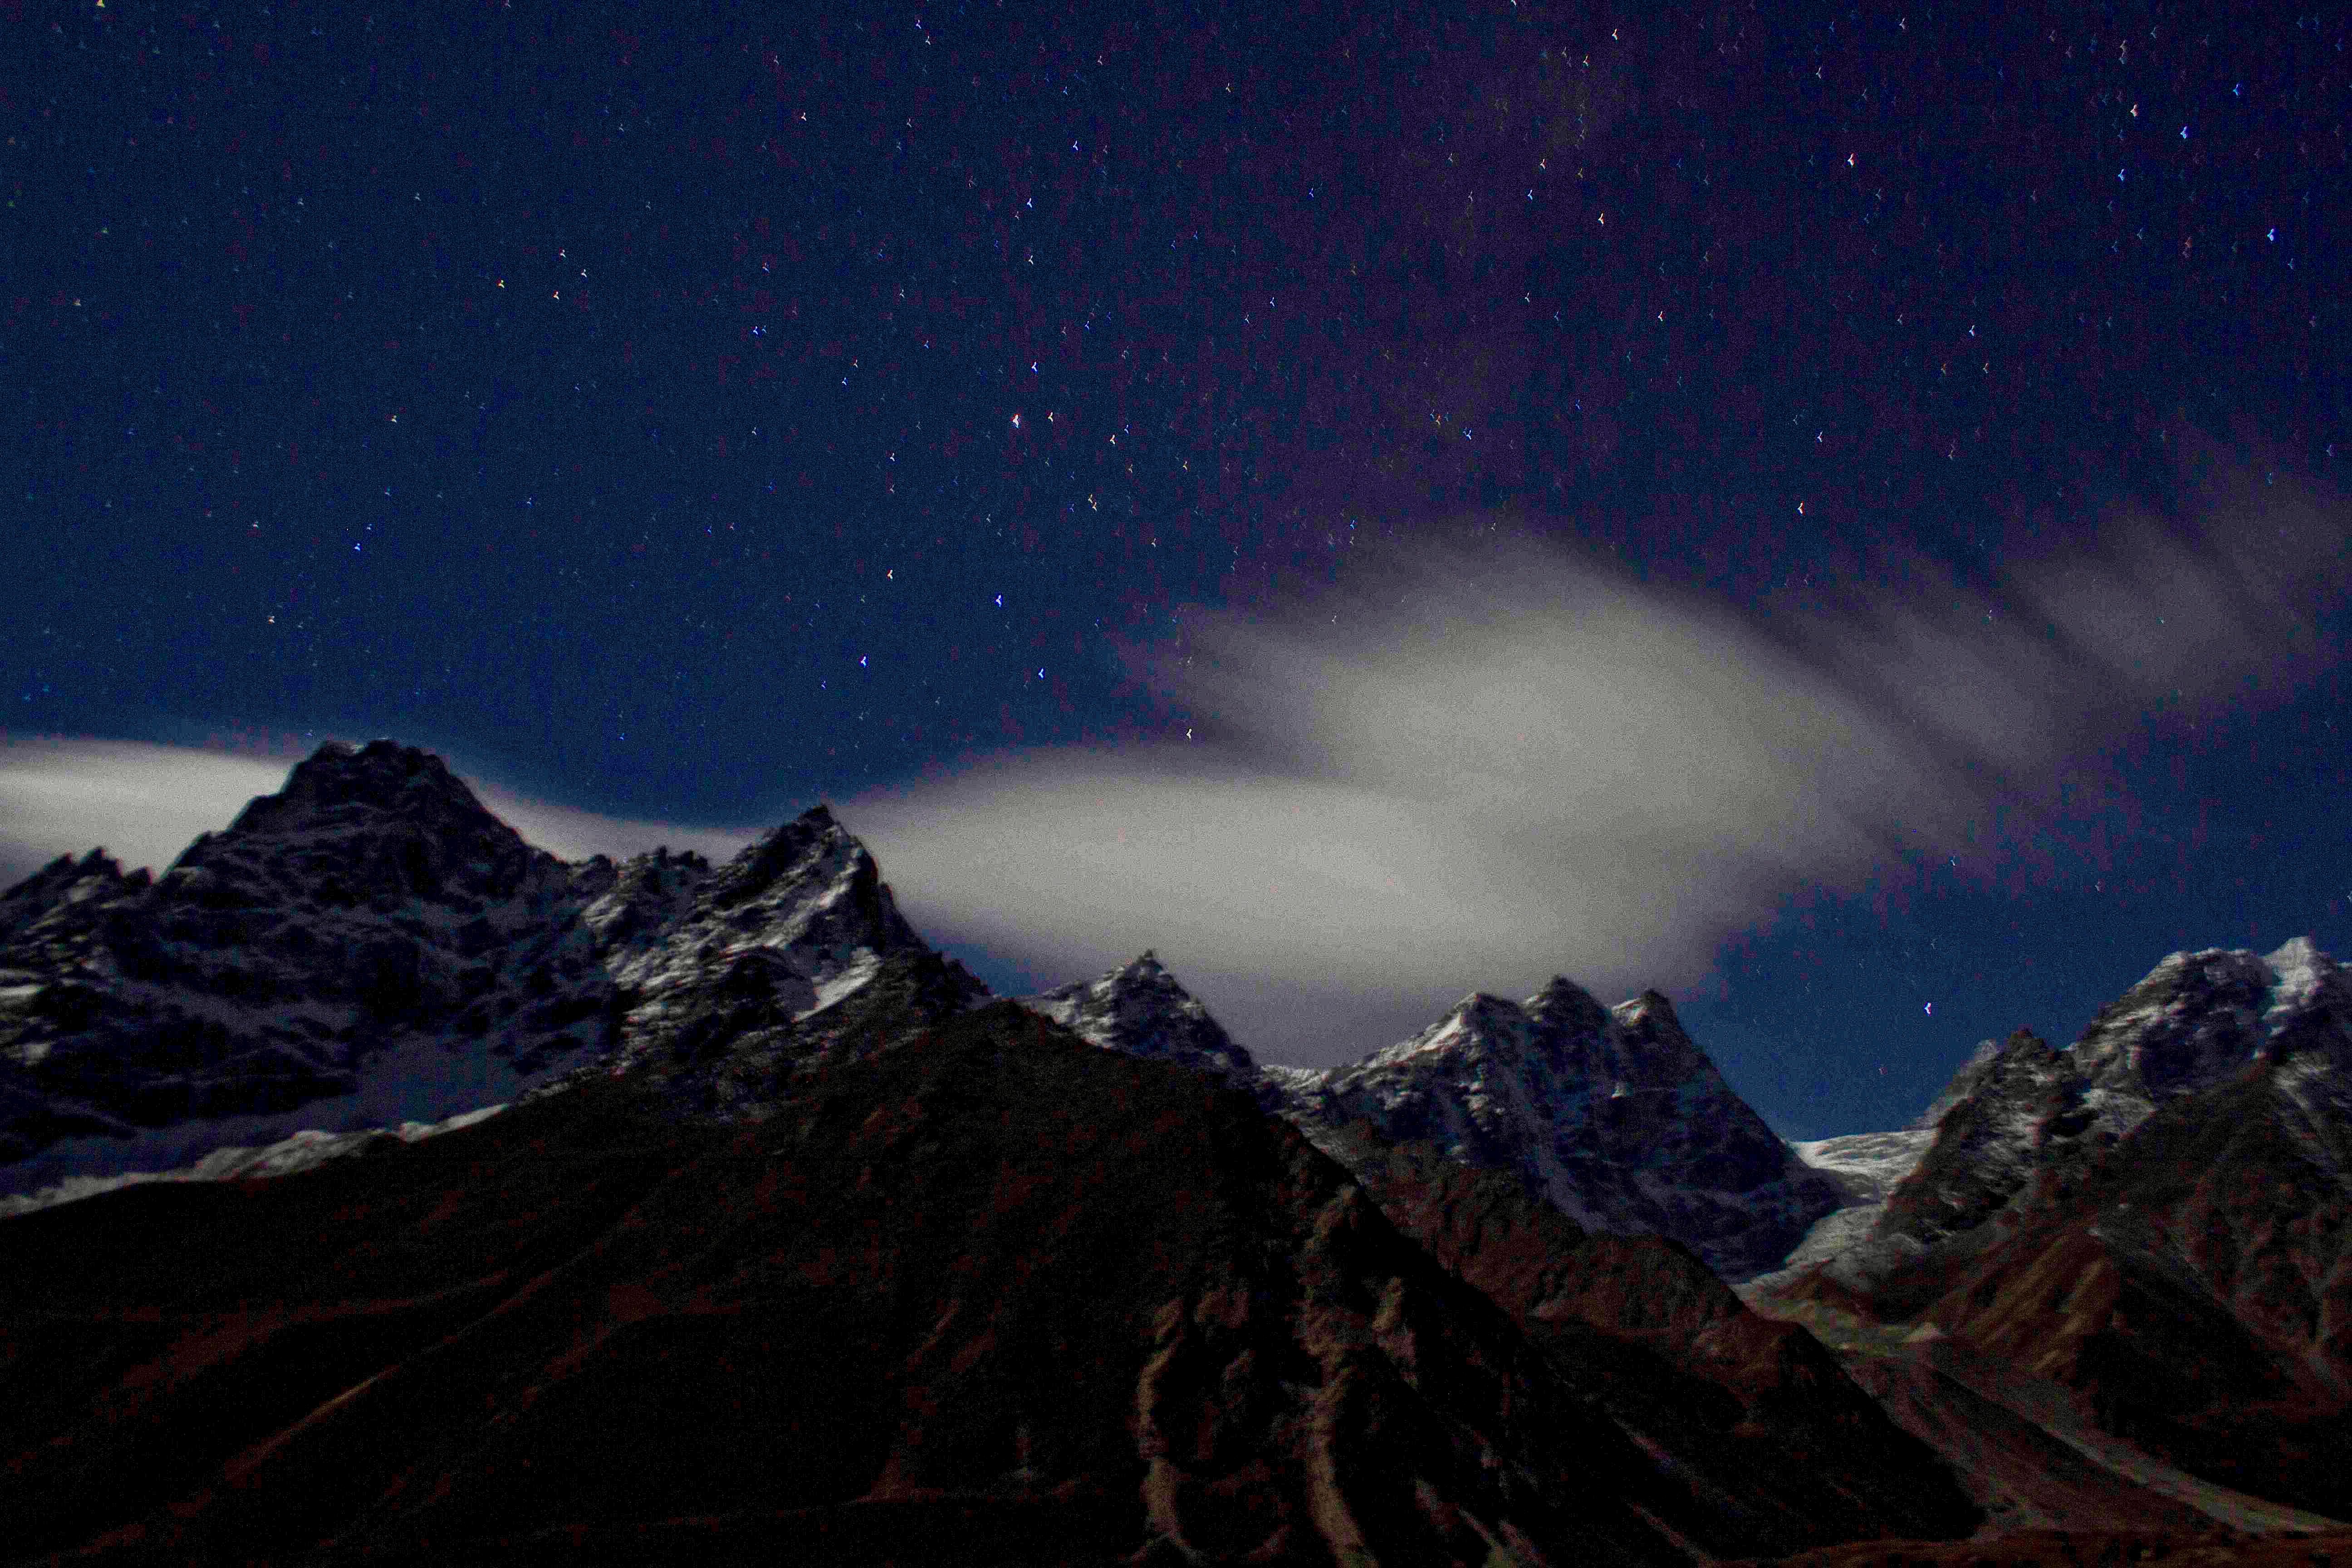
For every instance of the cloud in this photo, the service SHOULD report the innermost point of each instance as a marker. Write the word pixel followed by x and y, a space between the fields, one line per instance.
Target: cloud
pixel 1480 768
pixel 145 802
pixel 142 803
pixel 572 834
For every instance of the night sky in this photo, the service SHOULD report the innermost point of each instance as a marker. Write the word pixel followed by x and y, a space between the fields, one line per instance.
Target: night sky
pixel 1830 511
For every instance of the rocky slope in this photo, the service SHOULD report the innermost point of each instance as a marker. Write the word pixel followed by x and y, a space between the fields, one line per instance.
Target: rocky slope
pixel 1744 1410
pixel 370 945
pixel 988 1296
pixel 2159 1217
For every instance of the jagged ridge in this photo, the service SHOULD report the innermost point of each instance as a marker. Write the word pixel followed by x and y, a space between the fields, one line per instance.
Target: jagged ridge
pixel 2160 1217
pixel 1614 1115
pixel 370 945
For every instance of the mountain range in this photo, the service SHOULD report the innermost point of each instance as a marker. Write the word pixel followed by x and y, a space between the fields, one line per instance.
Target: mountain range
pixel 444 1201
pixel 370 939
pixel 2155 1221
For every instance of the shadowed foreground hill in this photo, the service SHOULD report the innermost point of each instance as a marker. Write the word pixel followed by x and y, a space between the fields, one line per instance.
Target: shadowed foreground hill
pixel 2080 1549
pixel 1762 1421
pixel 993 1295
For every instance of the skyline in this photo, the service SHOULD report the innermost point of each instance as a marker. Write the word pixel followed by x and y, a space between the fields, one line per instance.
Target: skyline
pixel 1886 465
pixel 43 791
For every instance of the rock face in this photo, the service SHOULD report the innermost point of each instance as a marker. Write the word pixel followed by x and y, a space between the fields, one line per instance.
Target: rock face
pixel 370 945
pixel 1141 1011
pixel 1611 1114
pixel 2158 1217
pixel 367 914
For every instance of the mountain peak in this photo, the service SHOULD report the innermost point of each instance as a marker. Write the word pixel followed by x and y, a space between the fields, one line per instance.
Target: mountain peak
pixel 66 880
pixel 339 781
pixel 1568 1004
pixel 381 822
pixel 789 851
pixel 1483 1006
pixel 65 872
pixel 1657 1046
pixel 1615 1115
pixel 1964 1083
pixel 1139 1009
pixel 2194 1020
pixel 372 917
pixel 1652 1010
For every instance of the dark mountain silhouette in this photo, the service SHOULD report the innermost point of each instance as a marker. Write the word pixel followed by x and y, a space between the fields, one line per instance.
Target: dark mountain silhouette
pixel 987 1295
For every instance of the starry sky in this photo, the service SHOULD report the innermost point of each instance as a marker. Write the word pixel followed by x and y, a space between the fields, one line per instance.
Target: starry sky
pixel 1834 512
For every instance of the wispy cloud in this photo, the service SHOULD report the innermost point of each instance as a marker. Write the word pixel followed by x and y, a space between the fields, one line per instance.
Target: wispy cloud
pixel 1477 767
pixel 141 803
pixel 574 835
pixel 1482 767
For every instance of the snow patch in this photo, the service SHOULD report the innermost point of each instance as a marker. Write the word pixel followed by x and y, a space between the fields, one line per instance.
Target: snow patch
pixel 1871 1165
pixel 419 1080
pixel 306 1149
pixel 862 968
pixel 2298 970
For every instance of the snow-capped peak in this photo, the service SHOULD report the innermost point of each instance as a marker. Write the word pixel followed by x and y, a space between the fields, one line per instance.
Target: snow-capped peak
pixel 1615 1114
pixel 1139 1009
pixel 370 941
pixel 2300 974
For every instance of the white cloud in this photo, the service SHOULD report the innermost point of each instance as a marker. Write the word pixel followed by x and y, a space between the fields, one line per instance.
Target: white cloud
pixel 574 835
pixel 142 803
pixel 1480 769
